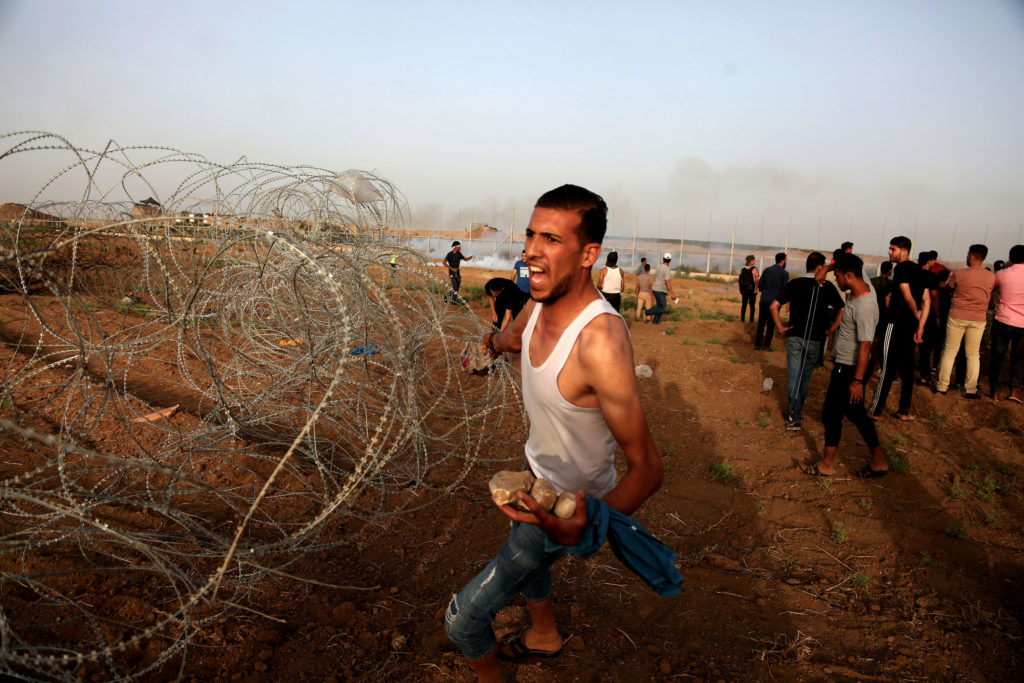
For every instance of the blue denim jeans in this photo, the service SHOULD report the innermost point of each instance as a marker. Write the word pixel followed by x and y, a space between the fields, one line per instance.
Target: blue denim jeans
pixel 801 358
pixel 521 567
pixel 661 301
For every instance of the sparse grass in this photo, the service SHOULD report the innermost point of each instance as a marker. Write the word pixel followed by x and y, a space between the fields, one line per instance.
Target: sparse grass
pixel 628 303
pixel 759 506
pixel 864 504
pixel 472 292
pixel 993 518
pixel 730 299
pixel 763 419
pixel 1002 425
pixel 735 359
pixel 824 483
pixel 956 530
pixel 718 340
pixel 897 463
pixel 839 533
pixel 722 471
pixel 669 330
pixel 898 440
pixel 956 492
pixel 686 341
pixel 928 561
pixel 716 315
pixel 860 579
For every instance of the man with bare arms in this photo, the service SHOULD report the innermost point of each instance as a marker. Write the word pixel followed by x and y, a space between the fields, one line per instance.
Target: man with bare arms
pixel 580 392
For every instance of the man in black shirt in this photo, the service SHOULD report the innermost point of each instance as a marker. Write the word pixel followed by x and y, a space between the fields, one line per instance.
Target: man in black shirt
pixel 926 349
pixel 815 309
pixel 452 261
pixel 773 281
pixel 507 300
pixel 906 314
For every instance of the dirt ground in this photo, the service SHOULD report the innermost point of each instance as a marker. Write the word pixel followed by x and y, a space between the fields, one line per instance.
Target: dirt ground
pixel 788 577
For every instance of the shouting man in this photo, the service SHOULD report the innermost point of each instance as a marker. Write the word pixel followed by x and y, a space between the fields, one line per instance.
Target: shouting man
pixel 580 393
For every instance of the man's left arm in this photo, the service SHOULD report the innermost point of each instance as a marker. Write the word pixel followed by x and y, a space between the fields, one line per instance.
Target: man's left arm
pixel 609 364
pixel 922 318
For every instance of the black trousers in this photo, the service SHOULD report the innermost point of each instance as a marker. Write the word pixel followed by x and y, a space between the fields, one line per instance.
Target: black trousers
pixel 747 299
pixel 765 325
pixel 837 406
pixel 897 359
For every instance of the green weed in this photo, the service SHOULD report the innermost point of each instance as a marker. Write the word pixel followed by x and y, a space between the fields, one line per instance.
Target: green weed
pixel 686 341
pixel 824 483
pixel 669 330
pixel 839 533
pixel 956 492
pixel 759 506
pixel 928 561
pixel 993 518
pixel 735 359
pixel 722 471
pixel 763 419
pixel 716 315
pixel 864 504
pixel 956 530
pixel 860 579
pixel 718 340
pixel 1002 425
pixel 897 463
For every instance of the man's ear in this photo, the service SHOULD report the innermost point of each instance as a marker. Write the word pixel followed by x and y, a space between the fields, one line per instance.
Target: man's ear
pixel 591 252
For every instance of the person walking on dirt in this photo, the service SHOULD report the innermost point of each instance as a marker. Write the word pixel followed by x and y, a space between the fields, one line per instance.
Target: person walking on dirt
pixel 580 393
pixel 814 311
pixel 907 312
pixel 610 281
pixel 644 294
pixel 844 397
pixel 452 261
pixel 748 288
pixel 661 288
pixel 772 282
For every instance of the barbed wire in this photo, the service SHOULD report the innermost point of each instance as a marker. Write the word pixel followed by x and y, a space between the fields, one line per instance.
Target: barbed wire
pixel 199 388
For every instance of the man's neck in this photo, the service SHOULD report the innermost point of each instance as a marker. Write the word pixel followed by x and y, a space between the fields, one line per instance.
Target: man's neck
pixel 858 287
pixel 560 313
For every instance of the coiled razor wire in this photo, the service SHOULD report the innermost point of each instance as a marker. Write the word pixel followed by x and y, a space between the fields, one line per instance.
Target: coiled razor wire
pixel 202 385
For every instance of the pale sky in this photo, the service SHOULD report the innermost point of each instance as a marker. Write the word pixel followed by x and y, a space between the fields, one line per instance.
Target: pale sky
pixel 872 118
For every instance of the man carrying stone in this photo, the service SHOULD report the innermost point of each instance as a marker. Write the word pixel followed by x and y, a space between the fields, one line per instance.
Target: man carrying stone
pixel 844 397
pixel 661 288
pixel 814 311
pixel 452 261
pixel 580 393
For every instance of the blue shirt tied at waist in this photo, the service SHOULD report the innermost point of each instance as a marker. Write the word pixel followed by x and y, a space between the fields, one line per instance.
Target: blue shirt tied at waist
pixel 636 548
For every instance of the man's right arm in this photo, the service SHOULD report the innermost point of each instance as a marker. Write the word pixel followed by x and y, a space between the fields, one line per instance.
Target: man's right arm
pixel 511 337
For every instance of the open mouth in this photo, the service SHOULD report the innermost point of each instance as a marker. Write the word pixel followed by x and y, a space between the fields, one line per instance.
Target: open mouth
pixel 538 277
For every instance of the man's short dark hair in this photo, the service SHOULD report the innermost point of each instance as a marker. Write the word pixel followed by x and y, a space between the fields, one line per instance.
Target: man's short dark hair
pixel 933 255
pixel 496 285
pixel 780 257
pixel 924 257
pixel 979 251
pixel 901 242
pixel 612 260
pixel 846 245
pixel 885 268
pixel 1017 253
pixel 850 264
pixel 815 259
pixel 590 207
pixel 647 267
pixel 643 259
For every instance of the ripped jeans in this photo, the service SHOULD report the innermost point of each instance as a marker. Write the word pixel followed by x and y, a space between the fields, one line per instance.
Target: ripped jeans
pixel 521 567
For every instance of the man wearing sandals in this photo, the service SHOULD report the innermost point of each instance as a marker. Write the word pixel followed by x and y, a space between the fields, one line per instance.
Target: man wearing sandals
pixel 580 392
pixel 845 394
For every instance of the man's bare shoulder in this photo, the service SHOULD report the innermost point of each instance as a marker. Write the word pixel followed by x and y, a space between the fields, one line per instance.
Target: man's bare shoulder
pixel 605 340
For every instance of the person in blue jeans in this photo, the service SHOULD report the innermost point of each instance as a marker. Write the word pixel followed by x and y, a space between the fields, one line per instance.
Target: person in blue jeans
pixel 662 288
pixel 815 310
pixel 583 403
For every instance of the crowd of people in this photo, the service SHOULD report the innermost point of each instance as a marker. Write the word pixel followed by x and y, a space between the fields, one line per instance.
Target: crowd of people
pixel 911 307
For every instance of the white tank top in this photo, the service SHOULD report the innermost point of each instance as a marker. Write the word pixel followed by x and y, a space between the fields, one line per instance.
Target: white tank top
pixel 612 281
pixel 570 446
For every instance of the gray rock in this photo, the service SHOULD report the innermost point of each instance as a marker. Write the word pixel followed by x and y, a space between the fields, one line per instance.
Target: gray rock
pixel 565 506
pixel 506 483
pixel 544 493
